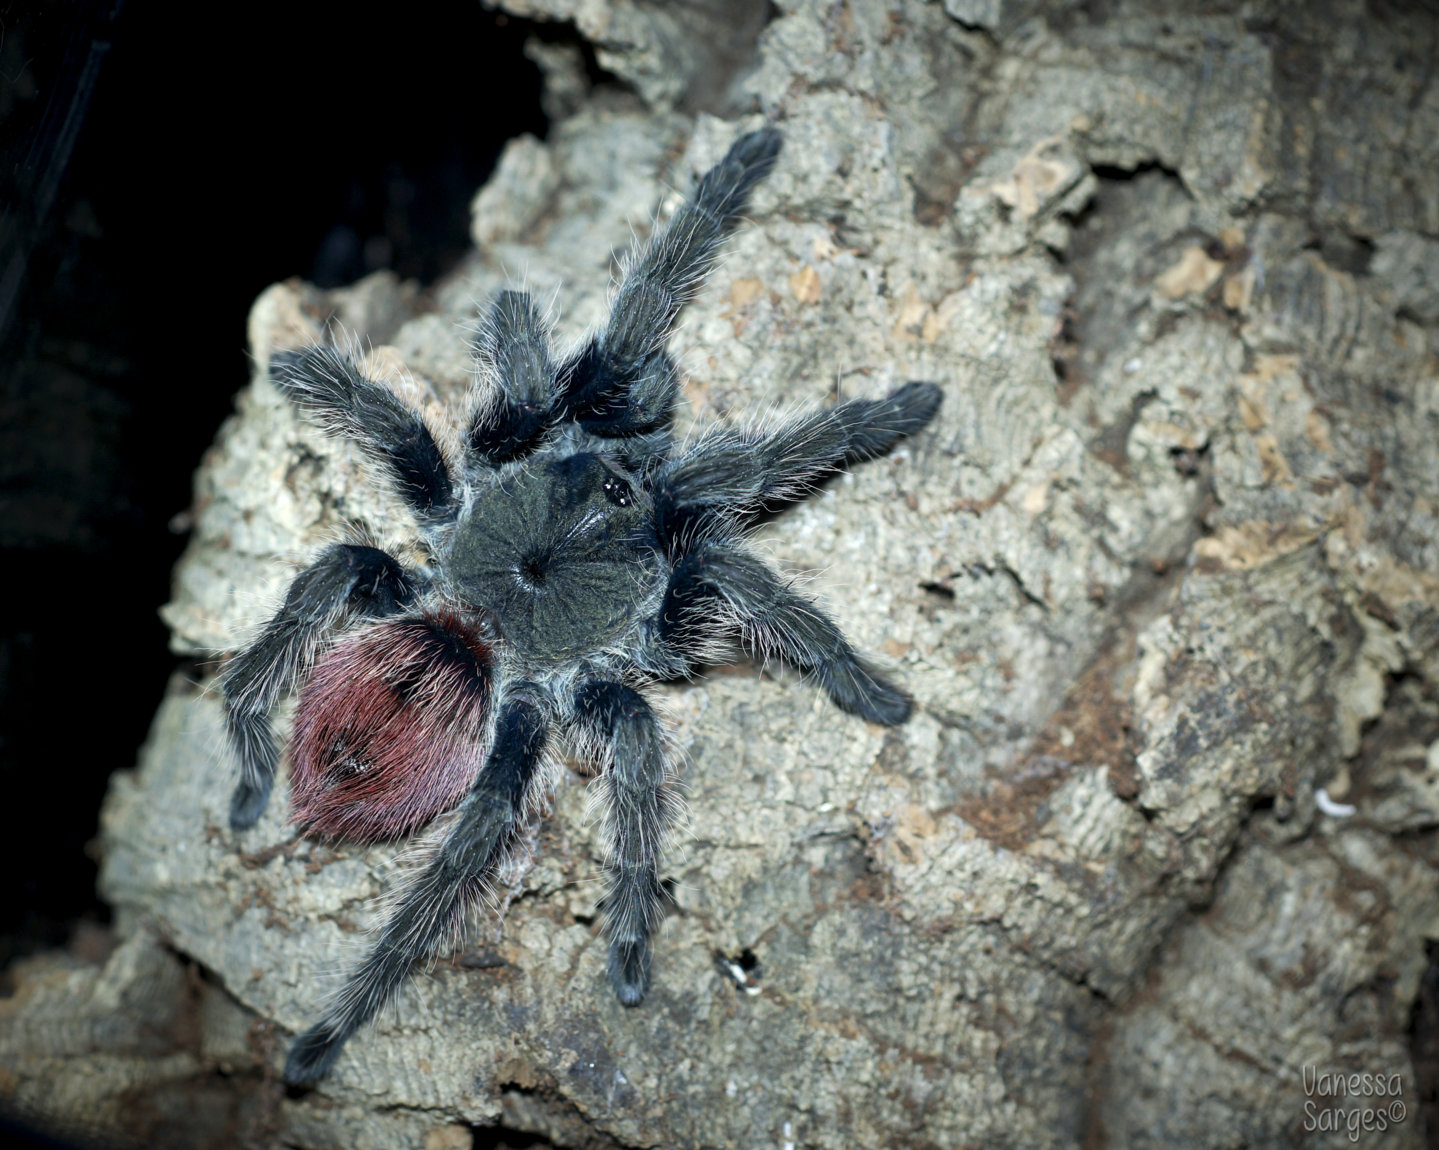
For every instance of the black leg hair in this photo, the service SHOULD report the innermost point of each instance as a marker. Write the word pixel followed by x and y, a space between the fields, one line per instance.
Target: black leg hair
pixel 641 810
pixel 623 382
pixel 323 382
pixel 428 910
pixel 513 343
pixel 732 476
pixel 774 622
pixel 346 580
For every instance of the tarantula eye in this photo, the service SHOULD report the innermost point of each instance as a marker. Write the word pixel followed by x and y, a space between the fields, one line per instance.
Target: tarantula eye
pixel 617 491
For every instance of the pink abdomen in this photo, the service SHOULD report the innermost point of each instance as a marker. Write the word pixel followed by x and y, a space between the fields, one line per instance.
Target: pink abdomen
pixel 391 728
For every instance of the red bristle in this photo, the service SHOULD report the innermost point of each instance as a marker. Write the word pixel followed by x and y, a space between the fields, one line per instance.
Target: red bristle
pixel 390 728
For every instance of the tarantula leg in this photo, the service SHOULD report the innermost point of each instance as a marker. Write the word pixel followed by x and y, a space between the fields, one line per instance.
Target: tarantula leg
pixel 640 812
pixel 433 905
pixel 734 476
pixel 345 581
pixel 514 343
pixel 774 621
pixel 323 382
pixel 623 382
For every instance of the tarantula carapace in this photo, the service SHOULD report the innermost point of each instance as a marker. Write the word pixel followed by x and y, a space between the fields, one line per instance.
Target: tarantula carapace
pixel 574 554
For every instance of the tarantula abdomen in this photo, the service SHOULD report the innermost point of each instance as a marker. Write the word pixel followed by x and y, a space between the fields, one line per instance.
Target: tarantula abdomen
pixel 390 727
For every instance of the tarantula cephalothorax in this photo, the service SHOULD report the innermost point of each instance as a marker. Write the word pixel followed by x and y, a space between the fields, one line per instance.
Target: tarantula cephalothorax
pixel 572 557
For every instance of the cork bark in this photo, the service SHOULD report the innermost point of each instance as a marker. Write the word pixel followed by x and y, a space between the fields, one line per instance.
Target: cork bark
pixel 1161 578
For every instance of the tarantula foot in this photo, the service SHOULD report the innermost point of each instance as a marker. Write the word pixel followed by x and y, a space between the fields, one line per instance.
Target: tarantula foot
pixel 756 148
pixel 630 969
pixel 888 706
pixel 915 405
pixel 312 1056
pixel 862 692
pixel 248 804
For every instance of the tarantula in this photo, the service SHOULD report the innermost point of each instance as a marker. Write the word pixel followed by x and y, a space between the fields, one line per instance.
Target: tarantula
pixel 573 556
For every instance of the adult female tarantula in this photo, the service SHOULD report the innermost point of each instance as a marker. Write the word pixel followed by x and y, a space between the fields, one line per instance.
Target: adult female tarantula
pixel 572 557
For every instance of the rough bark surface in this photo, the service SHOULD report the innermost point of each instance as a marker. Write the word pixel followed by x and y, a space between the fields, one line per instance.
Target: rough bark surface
pixel 1161 578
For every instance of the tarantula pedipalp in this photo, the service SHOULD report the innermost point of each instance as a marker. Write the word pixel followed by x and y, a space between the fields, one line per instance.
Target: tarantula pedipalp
pixel 573 557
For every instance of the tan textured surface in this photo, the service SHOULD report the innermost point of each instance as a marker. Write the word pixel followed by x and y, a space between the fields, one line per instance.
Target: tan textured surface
pixel 1162 567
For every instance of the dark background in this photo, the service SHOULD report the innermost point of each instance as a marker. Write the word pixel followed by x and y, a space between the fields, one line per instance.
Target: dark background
pixel 159 167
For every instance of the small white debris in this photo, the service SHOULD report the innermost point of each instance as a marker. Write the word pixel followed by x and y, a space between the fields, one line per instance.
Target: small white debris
pixel 742 979
pixel 1329 807
pixel 1131 366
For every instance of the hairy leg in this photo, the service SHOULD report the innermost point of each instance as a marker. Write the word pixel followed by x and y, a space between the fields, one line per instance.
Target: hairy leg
pixel 323 382
pixel 773 622
pixel 623 382
pixel 346 581
pixel 428 909
pixel 640 812
pixel 514 344
pixel 733 476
